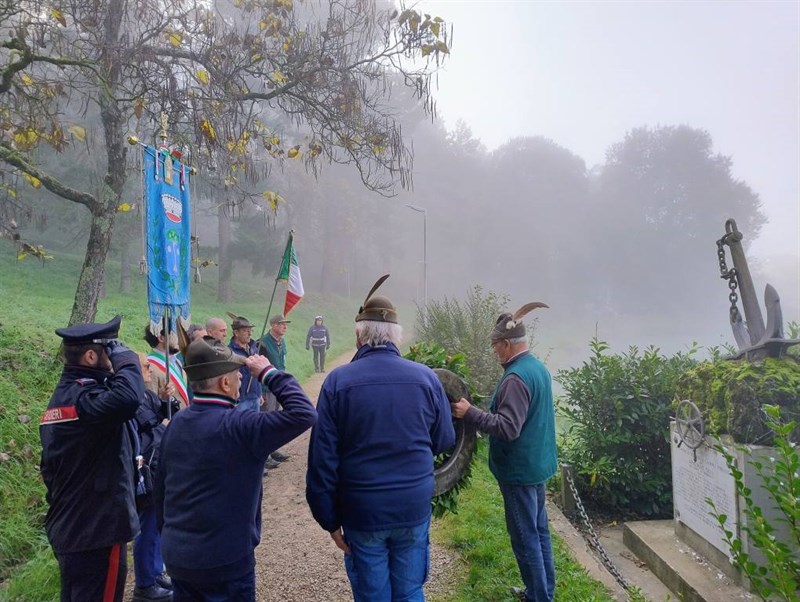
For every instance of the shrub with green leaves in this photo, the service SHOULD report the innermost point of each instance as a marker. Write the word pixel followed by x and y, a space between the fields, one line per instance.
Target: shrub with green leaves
pixel 617 412
pixel 464 327
pixel 778 575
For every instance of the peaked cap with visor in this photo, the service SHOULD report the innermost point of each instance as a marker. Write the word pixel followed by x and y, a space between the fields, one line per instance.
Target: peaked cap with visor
pixel 377 308
pixel 511 326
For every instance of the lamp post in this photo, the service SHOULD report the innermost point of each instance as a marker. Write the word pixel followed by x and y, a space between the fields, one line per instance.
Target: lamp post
pixel 424 258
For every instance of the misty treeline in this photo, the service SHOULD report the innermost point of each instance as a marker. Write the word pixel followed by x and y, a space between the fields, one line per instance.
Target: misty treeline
pixel 625 249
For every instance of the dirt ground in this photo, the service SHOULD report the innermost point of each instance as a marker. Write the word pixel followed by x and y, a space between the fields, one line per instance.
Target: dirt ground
pixel 297 561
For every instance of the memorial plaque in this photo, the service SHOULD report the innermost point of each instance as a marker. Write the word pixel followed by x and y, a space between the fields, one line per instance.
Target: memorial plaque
pixel 693 482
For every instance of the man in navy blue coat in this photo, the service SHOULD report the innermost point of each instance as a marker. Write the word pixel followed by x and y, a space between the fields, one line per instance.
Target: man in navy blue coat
pixel 208 487
pixel 87 462
pixel 381 420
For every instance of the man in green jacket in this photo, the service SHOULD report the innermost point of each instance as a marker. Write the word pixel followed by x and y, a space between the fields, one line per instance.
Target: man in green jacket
pixel 522 450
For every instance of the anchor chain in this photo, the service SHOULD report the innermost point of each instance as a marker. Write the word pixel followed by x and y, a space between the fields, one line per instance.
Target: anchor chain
pixel 593 538
pixel 730 276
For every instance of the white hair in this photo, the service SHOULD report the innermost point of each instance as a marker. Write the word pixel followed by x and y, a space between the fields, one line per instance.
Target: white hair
pixel 518 340
pixel 374 333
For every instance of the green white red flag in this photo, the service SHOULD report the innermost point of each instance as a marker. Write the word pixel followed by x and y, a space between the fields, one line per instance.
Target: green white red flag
pixel 290 273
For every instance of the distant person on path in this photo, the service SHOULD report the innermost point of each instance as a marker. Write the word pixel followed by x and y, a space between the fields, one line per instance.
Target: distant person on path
pixel 217 328
pixel 381 420
pixel 152 583
pixel 87 463
pixel 320 340
pixel 522 450
pixel 242 344
pixel 208 488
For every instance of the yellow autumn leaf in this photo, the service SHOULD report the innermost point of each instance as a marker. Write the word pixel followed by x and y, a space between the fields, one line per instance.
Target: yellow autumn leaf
pixel 287 4
pixel 58 16
pixel 202 76
pixel 255 58
pixel 77 131
pixel 275 140
pixel 269 195
pixel 442 47
pixel 208 129
pixel 427 49
pixel 278 77
pixel 124 207
pixel 21 255
pixel 175 39
pixel 27 80
pixel 32 180
pixel 294 152
pixel 435 29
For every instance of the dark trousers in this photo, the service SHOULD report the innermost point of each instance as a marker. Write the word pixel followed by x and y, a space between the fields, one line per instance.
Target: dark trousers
pixel 242 589
pixel 147 561
pixel 319 358
pixel 94 575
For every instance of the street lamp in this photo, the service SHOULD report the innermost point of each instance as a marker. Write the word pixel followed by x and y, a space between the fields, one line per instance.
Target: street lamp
pixel 424 258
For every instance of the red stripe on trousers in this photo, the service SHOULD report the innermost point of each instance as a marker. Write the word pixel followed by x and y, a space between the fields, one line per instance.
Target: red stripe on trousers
pixel 113 573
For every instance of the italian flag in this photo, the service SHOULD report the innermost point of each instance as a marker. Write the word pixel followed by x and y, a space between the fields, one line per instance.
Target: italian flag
pixel 290 273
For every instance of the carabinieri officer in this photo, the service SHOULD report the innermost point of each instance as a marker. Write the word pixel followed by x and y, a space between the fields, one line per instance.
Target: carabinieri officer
pixel 88 462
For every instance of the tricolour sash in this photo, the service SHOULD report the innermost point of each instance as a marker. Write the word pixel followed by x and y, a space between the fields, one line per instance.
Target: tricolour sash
pixel 176 374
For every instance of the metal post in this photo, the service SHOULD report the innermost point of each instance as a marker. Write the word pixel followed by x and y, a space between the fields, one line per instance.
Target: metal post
pixel 567 499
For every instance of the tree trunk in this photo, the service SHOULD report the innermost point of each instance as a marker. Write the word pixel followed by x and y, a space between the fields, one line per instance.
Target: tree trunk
pixel 90 282
pixel 224 291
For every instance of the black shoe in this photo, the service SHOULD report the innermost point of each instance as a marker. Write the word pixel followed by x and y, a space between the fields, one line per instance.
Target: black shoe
pixel 164 581
pixel 149 594
pixel 271 464
pixel 279 456
pixel 266 473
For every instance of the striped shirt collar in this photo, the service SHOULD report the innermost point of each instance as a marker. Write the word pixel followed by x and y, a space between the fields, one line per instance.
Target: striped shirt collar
pixel 214 400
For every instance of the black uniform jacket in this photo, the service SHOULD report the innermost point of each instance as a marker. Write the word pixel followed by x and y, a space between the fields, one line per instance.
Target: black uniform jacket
pixel 87 456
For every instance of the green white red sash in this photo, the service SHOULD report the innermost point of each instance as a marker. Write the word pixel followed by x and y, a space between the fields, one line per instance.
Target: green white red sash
pixel 176 374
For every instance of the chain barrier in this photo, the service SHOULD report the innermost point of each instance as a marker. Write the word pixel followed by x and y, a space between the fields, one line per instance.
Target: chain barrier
pixel 730 276
pixel 594 539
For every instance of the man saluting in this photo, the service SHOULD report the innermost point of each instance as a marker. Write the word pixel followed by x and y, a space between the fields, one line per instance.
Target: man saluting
pixel 88 462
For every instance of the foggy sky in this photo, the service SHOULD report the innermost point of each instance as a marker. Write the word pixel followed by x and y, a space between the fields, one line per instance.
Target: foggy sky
pixel 584 74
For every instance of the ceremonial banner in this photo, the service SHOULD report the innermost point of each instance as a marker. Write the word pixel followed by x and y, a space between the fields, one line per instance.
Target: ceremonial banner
pixel 290 272
pixel 168 238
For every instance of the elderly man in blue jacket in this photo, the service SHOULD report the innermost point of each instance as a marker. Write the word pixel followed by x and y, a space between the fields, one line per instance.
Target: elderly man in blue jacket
pixel 381 420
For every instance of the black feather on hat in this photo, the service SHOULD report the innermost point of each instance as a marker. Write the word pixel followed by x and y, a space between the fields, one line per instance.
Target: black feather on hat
pixel 510 326
pixel 239 321
pixel 377 308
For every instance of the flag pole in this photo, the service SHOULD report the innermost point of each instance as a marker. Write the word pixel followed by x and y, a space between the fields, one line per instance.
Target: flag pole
pixel 274 288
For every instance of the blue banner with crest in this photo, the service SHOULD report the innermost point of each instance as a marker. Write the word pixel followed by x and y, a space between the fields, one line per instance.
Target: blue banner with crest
pixel 168 237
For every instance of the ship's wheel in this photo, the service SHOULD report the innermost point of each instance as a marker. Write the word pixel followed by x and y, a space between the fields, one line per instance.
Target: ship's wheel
pixel 690 426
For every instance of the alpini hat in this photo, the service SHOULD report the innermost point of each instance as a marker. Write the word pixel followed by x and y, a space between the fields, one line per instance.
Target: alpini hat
pixel 239 321
pixel 377 308
pixel 511 326
pixel 279 319
pixel 207 358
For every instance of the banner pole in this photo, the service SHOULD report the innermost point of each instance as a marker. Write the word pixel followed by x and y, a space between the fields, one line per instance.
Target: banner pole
pixel 165 330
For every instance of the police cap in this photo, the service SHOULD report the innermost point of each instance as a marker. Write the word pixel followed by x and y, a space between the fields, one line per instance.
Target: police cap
pixel 84 334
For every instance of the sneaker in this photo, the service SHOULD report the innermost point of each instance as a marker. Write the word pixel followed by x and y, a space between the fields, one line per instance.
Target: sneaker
pixel 164 581
pixel 271 464
pixel 148 594
pixel 519 593
pixel 279 456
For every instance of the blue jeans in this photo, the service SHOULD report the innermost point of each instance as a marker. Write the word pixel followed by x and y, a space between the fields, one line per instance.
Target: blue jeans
pixel 388 566
pixel 147 562
pixel 526 521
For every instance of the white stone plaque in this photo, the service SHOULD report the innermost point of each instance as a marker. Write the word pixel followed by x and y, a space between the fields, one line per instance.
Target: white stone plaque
pixel 693 482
